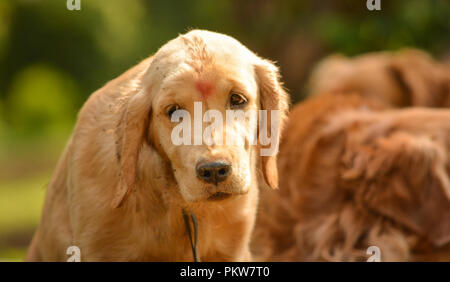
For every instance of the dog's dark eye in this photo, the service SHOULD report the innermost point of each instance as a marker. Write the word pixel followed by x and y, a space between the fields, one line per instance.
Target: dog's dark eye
pixel 171 109
pixel 237 100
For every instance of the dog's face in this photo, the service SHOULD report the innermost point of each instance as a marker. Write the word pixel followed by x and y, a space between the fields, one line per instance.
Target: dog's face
pixel 204 91
pixel 208 168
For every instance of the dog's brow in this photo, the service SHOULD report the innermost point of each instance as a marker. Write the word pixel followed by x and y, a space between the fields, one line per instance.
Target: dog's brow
pixel 205 88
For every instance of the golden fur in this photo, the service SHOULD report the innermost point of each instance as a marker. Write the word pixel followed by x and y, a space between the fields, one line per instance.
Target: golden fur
pixel 120 186
pixel 356 171
pixel 404 78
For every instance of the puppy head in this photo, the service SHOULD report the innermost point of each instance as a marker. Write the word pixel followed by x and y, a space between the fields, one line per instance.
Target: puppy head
pixel 423 81
pixel 370 75
pixel 198 108
pixel 406 78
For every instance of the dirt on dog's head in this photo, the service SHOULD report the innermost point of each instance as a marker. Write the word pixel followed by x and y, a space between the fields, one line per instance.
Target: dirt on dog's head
pixel 198 108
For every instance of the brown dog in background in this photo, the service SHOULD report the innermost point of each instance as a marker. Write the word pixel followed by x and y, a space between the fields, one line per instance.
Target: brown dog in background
pixel 406 78
pixel 121 185
pixel 356 171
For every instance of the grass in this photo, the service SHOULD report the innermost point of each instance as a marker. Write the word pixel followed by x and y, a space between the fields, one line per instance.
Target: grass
pixel 12 254
pixel 26 165
pixel 21 202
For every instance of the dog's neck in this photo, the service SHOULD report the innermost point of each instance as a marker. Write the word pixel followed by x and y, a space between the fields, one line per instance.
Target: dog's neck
pixel 158 203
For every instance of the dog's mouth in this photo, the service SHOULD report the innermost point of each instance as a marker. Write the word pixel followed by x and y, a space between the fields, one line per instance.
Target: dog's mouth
pixel 219 196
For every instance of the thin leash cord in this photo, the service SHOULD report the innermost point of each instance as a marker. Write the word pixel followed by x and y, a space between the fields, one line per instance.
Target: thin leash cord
pixel 193 240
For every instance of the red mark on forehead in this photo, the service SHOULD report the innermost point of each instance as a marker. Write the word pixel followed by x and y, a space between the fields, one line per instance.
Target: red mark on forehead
pixel 205 88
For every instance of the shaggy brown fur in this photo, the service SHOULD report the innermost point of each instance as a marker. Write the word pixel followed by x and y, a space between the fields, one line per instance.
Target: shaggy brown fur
pixel 405 78
pixel 355 171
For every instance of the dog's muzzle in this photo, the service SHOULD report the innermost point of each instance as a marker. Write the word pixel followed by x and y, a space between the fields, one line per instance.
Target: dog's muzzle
pixel 213 172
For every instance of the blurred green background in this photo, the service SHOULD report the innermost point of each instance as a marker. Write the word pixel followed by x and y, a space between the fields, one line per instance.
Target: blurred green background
pixel 51 59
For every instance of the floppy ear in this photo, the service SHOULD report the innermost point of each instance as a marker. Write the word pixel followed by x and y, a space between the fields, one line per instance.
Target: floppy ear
pixel 404 178
pixel 423 81
pixel 130 137
pixel 272 97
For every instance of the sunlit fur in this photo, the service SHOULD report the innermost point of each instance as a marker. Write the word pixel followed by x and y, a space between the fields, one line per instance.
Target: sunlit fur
pixel 120 186
pixel 359 170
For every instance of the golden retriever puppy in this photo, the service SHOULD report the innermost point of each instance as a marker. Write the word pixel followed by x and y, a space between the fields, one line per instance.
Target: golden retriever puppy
pixel 123 183
pixel 355 173
pixel 405 78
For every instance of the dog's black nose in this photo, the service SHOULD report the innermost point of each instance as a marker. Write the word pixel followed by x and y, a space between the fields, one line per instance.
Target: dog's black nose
pixel 213 172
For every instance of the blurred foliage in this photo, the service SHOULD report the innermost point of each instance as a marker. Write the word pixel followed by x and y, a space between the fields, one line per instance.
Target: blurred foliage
pixel 52 59
pixel 21 202
pixel 26 192
pixel 103 39
pixel 41 102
